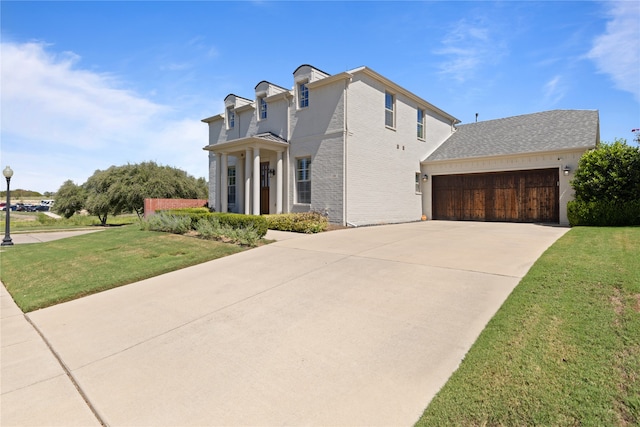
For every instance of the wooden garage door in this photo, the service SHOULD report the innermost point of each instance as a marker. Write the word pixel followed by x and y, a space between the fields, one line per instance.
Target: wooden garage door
pixel 518 196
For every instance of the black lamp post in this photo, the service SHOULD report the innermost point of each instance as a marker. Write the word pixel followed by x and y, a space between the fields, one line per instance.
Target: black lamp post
pixel 8 173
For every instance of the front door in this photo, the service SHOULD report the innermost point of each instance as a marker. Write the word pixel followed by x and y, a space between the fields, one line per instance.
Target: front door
pixel 264 188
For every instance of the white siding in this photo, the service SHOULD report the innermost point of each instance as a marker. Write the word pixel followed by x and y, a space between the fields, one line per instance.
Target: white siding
pixel 382 162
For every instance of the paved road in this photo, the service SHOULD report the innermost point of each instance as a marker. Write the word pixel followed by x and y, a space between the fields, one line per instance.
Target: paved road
pixel 351 327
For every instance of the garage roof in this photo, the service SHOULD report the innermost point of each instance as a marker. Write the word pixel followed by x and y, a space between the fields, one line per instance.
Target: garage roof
pixel 529 133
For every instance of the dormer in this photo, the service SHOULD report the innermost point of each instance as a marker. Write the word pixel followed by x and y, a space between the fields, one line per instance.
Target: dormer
pixel 233 103
pixel 302 76
pixel 266 92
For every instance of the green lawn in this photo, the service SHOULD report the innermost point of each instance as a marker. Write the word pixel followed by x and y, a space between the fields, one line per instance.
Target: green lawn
pixel 564 349
pixel 44 274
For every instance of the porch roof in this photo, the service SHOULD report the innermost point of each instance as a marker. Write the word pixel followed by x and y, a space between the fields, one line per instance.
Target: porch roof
pixel 263 140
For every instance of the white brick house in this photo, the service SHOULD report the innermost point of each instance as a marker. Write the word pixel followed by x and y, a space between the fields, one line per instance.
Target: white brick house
pixel 357 147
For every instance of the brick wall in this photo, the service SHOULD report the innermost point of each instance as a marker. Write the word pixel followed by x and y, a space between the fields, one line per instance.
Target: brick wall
pixel 152 205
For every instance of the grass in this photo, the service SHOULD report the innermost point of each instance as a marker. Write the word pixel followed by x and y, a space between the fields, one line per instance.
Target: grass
pixel 38 221
pixel 564 349
pixel 45 274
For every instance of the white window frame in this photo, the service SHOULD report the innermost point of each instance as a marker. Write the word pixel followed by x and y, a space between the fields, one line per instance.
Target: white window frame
pixel 420 124
pixel 231 118
pixel 231 186
pixel 418 185
pixel 262 108
pixel 303 94
pixel 303 179
pixel 390 110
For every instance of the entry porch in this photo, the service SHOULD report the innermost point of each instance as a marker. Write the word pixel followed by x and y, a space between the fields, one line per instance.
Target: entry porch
pixel 260 164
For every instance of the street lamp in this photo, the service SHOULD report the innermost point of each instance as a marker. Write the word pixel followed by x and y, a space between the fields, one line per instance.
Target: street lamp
pixel 8 173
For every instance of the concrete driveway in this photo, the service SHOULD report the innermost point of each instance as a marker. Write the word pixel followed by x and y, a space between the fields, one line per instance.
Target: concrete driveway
pixel 351 327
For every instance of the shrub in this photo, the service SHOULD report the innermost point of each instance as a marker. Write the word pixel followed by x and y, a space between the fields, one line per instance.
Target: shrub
pixel 603 213
pixel 607 186
pixel 308 222
pixel 239 221
pixel 210 228
pixel 177 224
pixel 194 213
pixel 233 220
pixel 610 172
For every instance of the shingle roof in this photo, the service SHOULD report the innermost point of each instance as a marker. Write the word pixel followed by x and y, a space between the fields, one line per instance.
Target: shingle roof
pixel 269 136
pixel 530 133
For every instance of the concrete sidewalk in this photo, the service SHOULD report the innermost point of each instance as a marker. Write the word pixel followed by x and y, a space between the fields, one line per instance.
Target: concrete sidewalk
pixel 22 238
pixel 351 327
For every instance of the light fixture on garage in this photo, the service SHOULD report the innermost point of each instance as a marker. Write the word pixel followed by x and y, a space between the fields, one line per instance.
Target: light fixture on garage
pixel 566 170
pixel 425 177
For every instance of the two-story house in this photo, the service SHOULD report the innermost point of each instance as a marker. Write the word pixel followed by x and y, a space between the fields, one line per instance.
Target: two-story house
pixel 363 150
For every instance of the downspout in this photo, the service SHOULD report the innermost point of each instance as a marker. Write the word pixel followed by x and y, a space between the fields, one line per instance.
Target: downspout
pixel 345 133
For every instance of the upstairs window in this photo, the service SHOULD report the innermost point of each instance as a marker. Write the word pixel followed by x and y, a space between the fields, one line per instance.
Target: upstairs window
pixel 303 95
pixel 263 109
pixel 231 118
pixel 389 110
pixel 303 180
pixel 420 132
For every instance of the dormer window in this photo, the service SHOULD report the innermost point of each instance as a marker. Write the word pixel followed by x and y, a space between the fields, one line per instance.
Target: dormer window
pixel 231 118
pixel 262 108
pixel 303 95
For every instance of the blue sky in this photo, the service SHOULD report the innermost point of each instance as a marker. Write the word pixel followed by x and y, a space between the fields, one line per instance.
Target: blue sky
pixel 87 85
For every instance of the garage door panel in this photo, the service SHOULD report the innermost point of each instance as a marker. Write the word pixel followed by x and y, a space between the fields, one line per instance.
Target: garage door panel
pixel 518 196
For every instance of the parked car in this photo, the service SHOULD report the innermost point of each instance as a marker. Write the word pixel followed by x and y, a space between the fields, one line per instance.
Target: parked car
pixel 41 208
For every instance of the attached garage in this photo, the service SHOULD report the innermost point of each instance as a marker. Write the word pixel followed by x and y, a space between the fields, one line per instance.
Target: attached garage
pixel 515 196
pixel 516 169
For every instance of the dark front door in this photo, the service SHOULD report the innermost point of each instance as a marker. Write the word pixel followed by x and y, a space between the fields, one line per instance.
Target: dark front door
pixel 264 188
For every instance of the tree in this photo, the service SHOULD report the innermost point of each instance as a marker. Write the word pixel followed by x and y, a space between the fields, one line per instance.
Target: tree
pixel 70 198
pixel 149 180
pixel 121 189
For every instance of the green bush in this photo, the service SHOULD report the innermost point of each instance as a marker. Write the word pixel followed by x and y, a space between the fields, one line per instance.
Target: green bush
pixel 607 186
pixel 603 213
pixel 169 223
pixel 239 221
pixel 308 222
pixel 210 228
pixel 194 213
pixel 234 221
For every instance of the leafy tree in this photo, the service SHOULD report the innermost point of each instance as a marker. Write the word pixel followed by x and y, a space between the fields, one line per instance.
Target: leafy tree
pixel 70 198
pixel 610 173
pixel 122 189
pixel 149 180
pixel 99 201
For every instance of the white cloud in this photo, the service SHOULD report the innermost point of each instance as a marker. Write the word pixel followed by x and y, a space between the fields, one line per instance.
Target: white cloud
pixel 616 51
pixel 554 91
pixel 60 121
pixel 467 49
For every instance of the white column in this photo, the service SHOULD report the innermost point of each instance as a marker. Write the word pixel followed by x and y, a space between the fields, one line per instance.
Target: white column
pixel 239 186
pixel 279 183
pixel 218 179
pixel 247 181
pixel 224 184
pixel 256 181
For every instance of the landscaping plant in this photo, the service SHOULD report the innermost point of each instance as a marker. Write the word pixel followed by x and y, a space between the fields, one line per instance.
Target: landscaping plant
pixel 607 186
